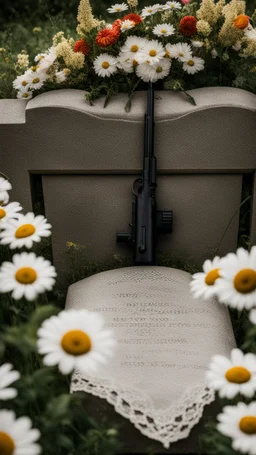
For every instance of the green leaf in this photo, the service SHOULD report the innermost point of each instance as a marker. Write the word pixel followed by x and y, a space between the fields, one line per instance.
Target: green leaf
pixel 42 313
pixel 58 408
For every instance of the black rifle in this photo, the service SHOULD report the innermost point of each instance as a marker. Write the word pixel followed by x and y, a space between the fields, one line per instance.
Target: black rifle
pixel 147 222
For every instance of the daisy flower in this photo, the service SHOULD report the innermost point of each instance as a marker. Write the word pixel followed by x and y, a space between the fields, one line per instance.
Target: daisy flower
pixel 75 339
pixel 24 93
pixel 149 10
pixel 239 423
pixel 17 436
pixel 27 275
pixel 237 285
pixel 9 211
pixel 234 376
pixel 22 81
pixel 125 63
pixel 7 377
pixel 172 5
pixel 127 25
pixel 252 316
pixel 181 51
pixel 117 8
pixel 193 65
pixel 151 52
pixel 24 231
pixel 203 283
pixel 132 46
pixel 48 59
pixel 154 72
pixel 36 79
pixel 163 30
pixel 105 65
pixel 4 187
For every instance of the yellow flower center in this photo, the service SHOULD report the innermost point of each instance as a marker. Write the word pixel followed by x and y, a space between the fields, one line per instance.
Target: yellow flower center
pixel 245 281
pixel 24 83
pixel 36 80
pixel 191 62
pixel 150 10
pixel 25 230
pixel 76 342
pixel 212 276
pixel 238 375
pixel 181 54
pixel 7 445
pixel 105 65
pixel 248 424
pixel 134 48
pixel 34 68
pixel 163 30
pixel 159 69
pixel 135 63
pixel 26 275
pixel 152 53
pixel 25 95
pixel 166 55
pixel 2 213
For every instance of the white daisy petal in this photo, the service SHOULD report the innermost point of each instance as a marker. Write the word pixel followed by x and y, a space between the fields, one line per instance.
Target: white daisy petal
pixel 234 376
pixel 105 65
pixel 7 377
pixel 239 423
pixel 117 8
pixel 26 276
pixel 237 285
pixel 80 341
pixel 19 433
pixel 23 231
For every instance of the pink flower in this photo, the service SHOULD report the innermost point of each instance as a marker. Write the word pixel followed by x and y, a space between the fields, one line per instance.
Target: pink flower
pixel 185 2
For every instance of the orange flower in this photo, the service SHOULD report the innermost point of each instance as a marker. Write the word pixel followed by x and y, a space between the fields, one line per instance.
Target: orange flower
pixel 133 17
pixel 82 46
pixel 241 22
pixel 117 25
pixel 107 37
pixel 188 25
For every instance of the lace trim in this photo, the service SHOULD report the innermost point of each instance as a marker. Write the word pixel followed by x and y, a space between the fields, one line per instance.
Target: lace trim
pixel 166 426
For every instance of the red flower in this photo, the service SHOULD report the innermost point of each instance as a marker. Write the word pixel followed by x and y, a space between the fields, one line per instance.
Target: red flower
pixel 107 37
pixel 188 25
pixel 117 24
pixel 133 17
pixel 82 46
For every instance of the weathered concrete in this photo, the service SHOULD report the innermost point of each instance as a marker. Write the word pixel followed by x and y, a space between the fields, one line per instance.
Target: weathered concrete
pixel 89 156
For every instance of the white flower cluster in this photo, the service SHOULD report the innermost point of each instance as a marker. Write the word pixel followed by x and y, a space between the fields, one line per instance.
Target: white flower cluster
pixel 232 279
pixel 149 58
pixel 35 77
pixel 149 10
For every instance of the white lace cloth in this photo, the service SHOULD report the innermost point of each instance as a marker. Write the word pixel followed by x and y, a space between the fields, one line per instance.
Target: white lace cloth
pixel 165 342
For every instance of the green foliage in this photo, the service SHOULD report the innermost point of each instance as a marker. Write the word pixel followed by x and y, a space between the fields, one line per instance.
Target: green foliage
pixel 212 442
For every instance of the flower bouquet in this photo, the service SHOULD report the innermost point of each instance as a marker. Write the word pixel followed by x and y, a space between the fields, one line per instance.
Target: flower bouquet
pixel 177 45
